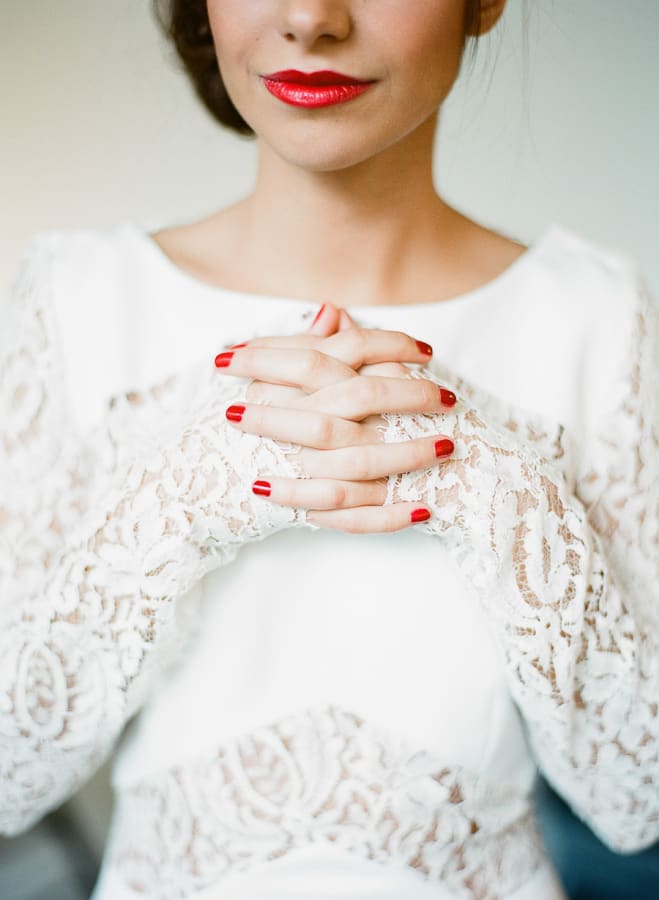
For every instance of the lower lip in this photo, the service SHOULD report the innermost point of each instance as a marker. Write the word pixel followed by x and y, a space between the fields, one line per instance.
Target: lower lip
pixel 312 96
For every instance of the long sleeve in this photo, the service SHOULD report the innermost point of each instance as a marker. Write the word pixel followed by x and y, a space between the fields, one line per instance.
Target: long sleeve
pixel 102 538
pixel 561 544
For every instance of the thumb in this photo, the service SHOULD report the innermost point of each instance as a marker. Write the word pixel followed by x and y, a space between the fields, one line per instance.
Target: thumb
pixel 345 321
pixel 326 321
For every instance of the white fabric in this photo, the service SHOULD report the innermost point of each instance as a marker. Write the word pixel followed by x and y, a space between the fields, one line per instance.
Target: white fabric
pixel 324 872
pixel 327 693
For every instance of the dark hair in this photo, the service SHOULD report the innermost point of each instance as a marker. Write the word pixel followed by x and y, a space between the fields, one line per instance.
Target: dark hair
pixel 186 23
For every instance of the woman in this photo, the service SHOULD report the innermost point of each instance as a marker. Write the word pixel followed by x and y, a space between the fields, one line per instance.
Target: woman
pixel 319 718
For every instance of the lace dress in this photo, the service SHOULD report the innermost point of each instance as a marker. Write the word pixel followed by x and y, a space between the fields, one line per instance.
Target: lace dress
pixel 323 714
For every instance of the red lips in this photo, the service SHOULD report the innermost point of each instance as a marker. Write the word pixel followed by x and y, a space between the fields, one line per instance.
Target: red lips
pixel 326 78
pixel 314 89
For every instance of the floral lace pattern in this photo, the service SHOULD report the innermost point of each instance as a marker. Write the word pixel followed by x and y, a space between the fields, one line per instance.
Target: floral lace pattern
pixel 103 538
pixel 567 578
pixel 321 776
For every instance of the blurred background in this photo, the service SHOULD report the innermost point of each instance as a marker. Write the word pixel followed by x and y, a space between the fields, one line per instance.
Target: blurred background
pixel 556 122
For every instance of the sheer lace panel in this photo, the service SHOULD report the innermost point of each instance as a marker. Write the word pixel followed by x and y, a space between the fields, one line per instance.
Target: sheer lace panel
pixel 323 775
pixel 568 574
pixel 103 537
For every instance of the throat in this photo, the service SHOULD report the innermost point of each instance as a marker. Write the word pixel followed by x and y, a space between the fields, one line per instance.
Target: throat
pixel 358 271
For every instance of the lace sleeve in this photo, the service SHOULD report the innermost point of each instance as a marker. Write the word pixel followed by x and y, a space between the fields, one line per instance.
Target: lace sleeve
pixel 102 537
pixel 566 565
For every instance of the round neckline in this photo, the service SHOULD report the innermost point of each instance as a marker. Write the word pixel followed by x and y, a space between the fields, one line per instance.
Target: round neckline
pixel 509 273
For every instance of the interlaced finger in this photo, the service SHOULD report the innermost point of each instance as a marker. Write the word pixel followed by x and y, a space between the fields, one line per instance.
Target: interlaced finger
pixel 370 461
pixel 274 394
pixel 305 368
pixel 282 395
pixel 321 493
pixel 362 346
pixel 354 346
pixel 308 428
pixel 365 396
pixel 386 370
pixel 370 519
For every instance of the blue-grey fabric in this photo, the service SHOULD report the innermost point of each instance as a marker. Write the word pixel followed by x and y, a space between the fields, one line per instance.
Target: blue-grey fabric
pixel 588 869
pixel 51 862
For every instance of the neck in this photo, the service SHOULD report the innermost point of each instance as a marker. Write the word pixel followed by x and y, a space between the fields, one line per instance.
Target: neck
pixel 352 237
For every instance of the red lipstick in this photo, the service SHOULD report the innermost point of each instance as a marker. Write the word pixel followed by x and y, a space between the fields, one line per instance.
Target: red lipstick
pixel 313 90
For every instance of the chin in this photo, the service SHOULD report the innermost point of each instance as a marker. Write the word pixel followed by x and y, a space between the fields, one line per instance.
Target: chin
pixel 326 149
pixel 325 161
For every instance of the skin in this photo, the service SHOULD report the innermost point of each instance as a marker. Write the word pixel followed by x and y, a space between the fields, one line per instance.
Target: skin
pixel 367 226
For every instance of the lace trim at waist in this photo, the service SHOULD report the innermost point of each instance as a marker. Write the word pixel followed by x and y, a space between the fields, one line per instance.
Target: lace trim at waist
pixel 323 775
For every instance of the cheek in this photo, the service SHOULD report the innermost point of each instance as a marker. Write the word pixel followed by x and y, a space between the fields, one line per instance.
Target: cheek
pixel 235 25
pixel 424 47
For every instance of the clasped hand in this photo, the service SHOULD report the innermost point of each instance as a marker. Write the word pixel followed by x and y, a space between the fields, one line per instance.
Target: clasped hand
pixel 326 391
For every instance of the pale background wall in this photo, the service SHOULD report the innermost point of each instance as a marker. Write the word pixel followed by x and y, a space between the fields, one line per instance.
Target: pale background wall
pixel 97 127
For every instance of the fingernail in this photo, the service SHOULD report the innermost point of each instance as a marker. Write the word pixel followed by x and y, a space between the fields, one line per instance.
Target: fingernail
pixel 318 314
pixel 448 398
pixel 222 360
pixel 444 447
pixel 235 413
pixel 262 487
pixel 237 346
pixel 419 515
pixel 424 348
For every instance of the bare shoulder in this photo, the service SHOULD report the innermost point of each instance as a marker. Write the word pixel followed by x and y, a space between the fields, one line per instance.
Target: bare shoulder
pixel 205 248
pixel 474 256
pixel 491 251
pixel 184 244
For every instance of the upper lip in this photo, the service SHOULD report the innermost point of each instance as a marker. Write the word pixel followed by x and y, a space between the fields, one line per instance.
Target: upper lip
pixel 324 78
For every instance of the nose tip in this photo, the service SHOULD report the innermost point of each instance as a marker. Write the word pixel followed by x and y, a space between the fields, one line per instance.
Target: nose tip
pixel 308 21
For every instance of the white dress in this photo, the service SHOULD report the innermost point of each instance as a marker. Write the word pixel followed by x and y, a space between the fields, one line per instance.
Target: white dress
pixel 324 714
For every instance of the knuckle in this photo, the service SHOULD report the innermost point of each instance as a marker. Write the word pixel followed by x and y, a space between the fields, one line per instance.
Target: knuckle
pixel 338 495
pixel 351 525
pixel 312 364
pixel 355 343
pixel 391 521
pixel 378 493
pixel 322 431
pixel 382 521
pixel 429 393
pixel 402 343
pixel 368 392
pixel 419 454
pixel 256 392
pixel 363 464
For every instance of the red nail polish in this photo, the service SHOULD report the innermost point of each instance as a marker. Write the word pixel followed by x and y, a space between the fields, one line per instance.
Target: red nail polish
pixel 448 398
pixel 318 314
pixel 444 447
pixel 424 348
pixel 235 413
pixel 222 360
pixel 419 515
pixel 237 346
pixel 262 488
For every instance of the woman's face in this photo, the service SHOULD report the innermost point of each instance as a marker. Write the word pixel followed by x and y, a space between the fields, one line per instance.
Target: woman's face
pixel 409 51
